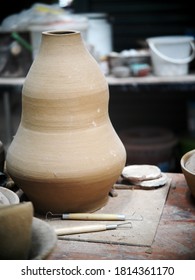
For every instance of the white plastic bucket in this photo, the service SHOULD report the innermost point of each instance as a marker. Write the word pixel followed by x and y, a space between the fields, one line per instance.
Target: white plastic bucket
pixel 171 55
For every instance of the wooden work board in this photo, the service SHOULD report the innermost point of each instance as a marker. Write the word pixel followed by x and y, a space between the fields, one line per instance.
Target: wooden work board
pixel 143 209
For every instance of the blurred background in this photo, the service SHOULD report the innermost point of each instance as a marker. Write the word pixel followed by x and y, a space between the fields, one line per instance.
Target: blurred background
pixel 132 21
pixel 156 119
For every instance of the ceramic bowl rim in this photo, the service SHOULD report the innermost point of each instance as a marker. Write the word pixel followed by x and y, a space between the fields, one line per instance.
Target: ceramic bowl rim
pixel 183 160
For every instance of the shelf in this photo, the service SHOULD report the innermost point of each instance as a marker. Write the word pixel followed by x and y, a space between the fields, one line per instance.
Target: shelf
pixel 161 84
pixel 151 80
pixel 112 81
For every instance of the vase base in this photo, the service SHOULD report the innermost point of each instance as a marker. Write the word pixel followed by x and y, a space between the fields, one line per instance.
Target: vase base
pixel 66 198
pixel 43 212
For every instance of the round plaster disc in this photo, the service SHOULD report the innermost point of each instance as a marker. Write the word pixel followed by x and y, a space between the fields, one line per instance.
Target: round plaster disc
pixel 141 172
pixel 3 199
pixel 153 183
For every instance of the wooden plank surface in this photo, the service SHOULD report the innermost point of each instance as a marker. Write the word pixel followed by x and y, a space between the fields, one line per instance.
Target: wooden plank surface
pixel 175 237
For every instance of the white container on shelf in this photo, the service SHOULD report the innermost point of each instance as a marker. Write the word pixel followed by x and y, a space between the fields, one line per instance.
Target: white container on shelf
pixel 171 55
pixel 99 34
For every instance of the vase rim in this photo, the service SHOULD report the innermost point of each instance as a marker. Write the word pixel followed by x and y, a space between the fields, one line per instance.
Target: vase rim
pixel 60 32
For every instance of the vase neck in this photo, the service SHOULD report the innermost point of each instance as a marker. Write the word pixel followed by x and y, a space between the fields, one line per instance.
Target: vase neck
pixel 60 39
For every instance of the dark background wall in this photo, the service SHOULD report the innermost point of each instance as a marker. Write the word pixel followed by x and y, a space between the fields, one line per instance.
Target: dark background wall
pixel 135 20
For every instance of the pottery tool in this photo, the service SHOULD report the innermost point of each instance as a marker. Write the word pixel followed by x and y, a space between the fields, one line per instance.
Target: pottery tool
pixel 88 216
pixel 91 228
pixel 92 217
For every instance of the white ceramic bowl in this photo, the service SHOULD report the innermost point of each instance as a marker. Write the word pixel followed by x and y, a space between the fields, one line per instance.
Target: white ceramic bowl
pixel 8 197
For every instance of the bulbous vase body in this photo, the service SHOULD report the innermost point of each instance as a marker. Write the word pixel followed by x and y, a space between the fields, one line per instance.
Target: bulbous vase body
pixel 66 155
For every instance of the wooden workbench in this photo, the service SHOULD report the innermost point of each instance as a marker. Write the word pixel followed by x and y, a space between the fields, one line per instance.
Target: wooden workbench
pixel 175 237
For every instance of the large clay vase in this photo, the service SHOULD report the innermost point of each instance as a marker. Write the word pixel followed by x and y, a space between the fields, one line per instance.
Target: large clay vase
pixel 66 155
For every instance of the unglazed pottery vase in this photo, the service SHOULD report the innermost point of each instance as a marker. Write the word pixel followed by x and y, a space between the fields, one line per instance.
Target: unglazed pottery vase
pixel 66 155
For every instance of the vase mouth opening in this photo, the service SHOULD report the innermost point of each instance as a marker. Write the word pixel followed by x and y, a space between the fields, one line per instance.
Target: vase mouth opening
pixel 60 32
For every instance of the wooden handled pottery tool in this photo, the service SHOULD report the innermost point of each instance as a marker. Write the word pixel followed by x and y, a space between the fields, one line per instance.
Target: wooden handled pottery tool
pixel 93 217
pixel 88 216
pixel 90 228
